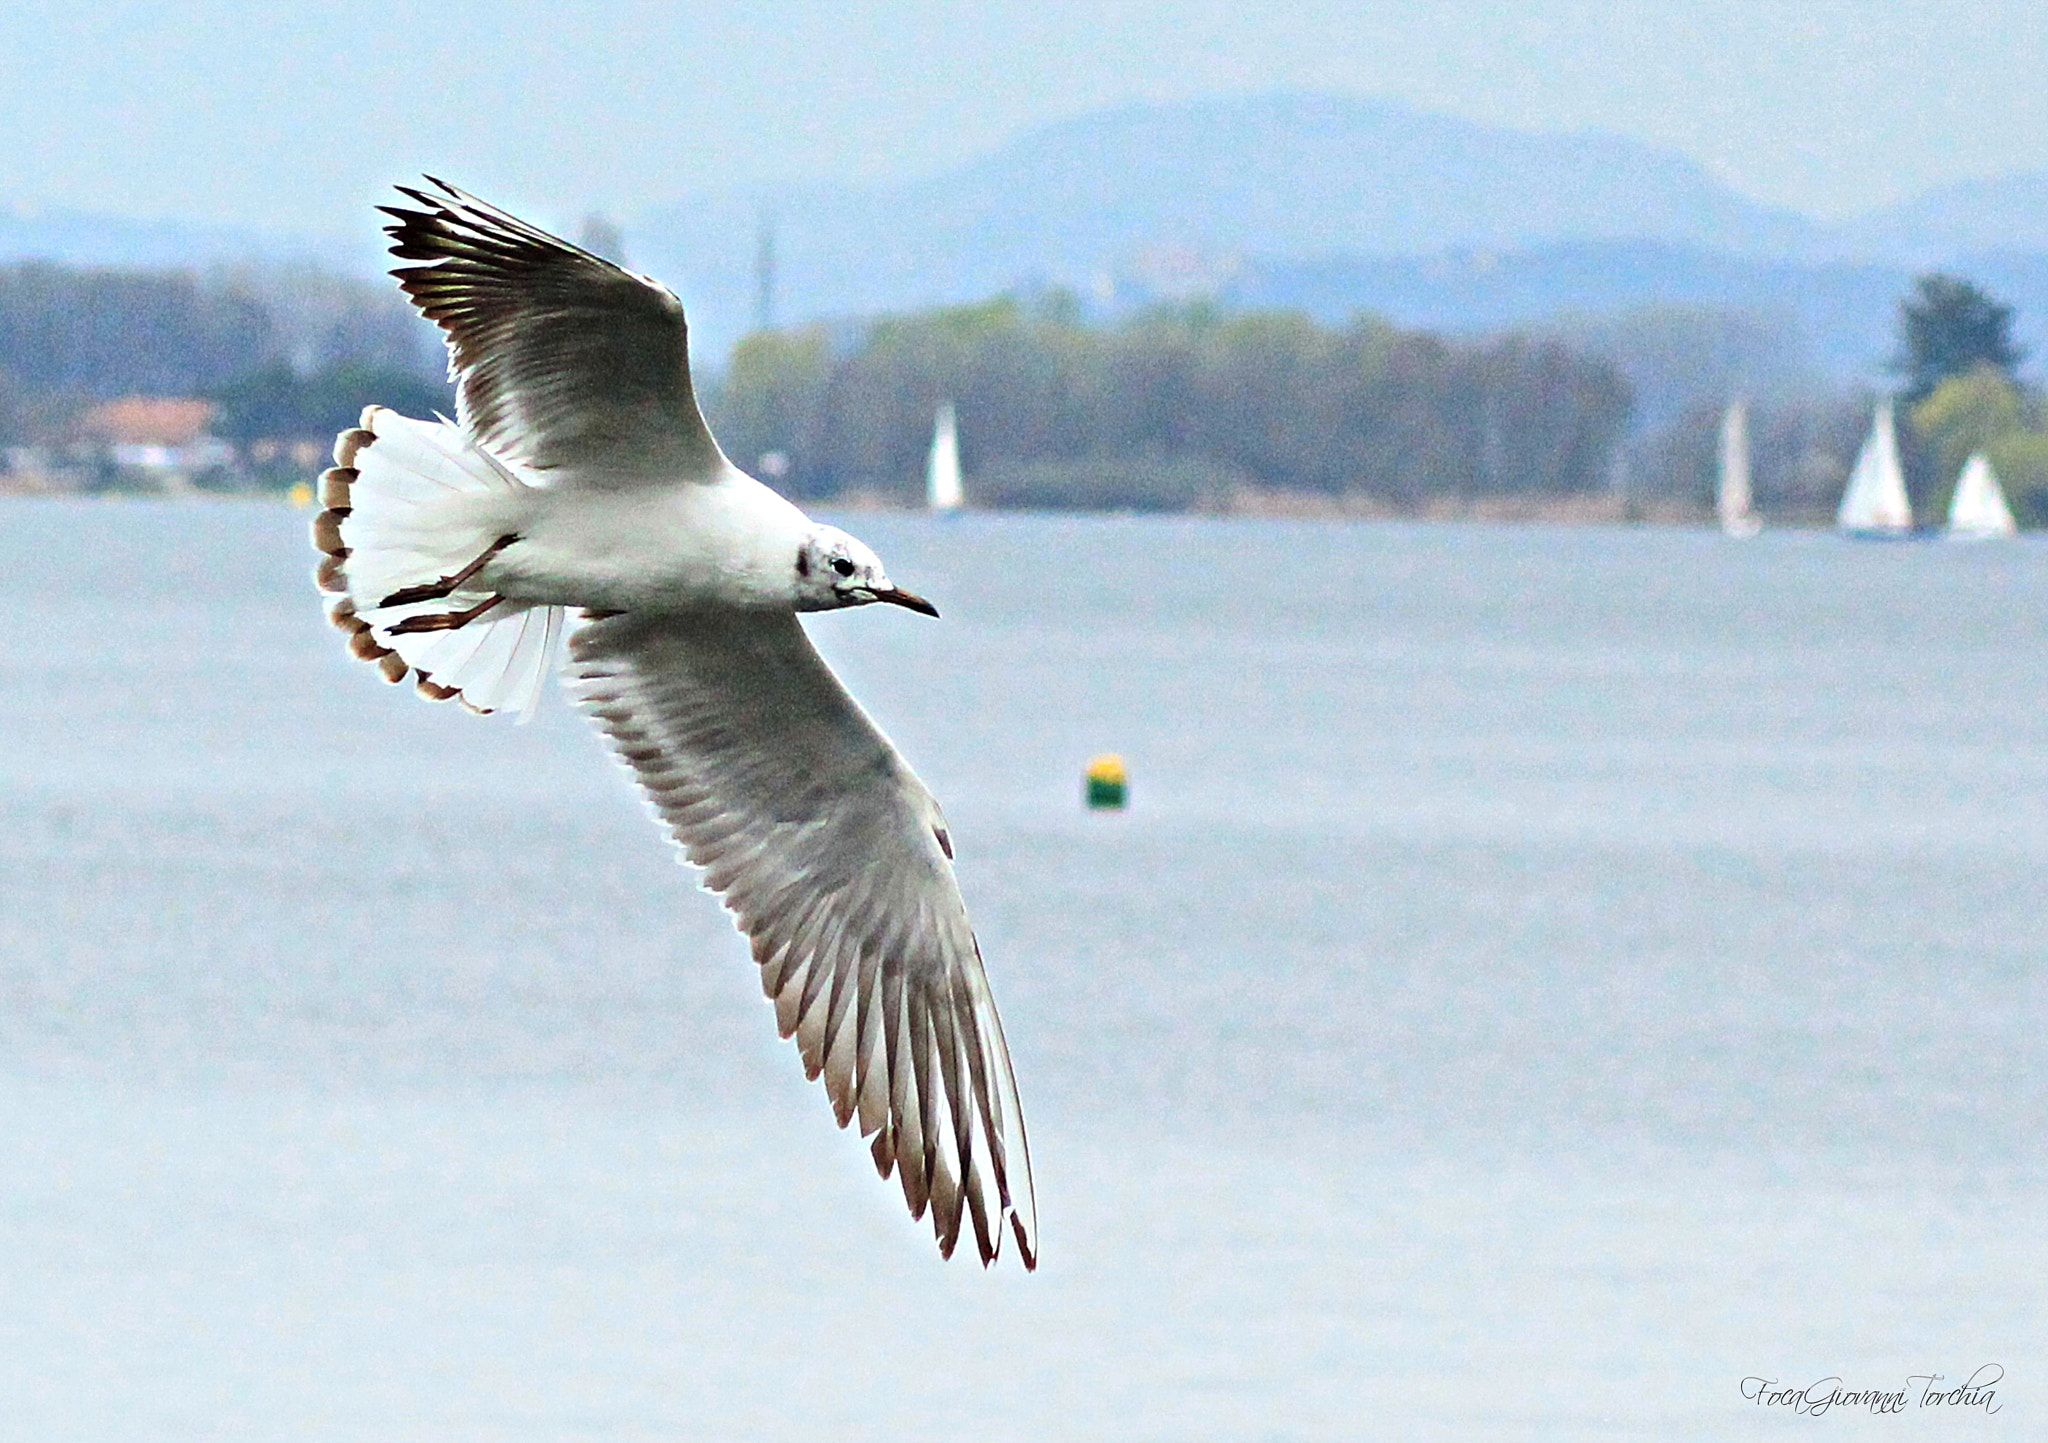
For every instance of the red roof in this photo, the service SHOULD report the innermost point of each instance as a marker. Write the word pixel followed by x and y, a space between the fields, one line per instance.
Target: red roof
pixel 148 421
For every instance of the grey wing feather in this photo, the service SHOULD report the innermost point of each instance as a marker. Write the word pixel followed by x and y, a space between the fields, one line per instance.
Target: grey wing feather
pixel 563 361
pixel 835 862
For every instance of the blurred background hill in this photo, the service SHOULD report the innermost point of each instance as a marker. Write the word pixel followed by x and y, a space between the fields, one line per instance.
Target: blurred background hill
pixel 1633 260
pixel 1329 202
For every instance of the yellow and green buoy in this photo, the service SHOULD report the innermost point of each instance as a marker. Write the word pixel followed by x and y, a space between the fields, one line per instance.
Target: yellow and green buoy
pixel 1107 785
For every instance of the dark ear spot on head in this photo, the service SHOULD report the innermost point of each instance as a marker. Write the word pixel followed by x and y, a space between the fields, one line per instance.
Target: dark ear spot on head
pixel 803 561
pixel 945 842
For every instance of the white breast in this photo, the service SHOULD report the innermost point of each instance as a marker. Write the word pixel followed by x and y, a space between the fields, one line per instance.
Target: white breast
pixel 731 542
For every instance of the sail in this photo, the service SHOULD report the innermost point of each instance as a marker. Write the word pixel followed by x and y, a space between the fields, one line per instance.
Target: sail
pixel 1731 497
pixel 942 472
pixel 1979 507
pixel 1875 502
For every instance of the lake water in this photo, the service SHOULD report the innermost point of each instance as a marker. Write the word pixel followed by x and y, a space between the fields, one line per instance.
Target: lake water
pixel 1544 978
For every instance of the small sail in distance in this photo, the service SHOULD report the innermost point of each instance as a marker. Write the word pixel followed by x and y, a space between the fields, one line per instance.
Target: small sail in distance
pixel 942 492
pixel 1979 507
pixel 1875 502
pixel 1732 495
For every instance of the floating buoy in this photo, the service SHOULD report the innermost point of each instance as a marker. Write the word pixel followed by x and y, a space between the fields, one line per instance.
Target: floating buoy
pixel 301 494
pixel 1106 781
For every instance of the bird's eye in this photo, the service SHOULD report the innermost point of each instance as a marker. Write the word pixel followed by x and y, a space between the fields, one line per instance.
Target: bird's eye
pixel 841 565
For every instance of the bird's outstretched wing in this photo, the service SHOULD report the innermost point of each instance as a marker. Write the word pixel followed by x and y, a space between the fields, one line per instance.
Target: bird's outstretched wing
pixel 564 362
pixel 836 863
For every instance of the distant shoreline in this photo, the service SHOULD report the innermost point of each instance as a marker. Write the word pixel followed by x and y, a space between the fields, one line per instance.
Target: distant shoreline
pixel 1247 504
pixel 1271 504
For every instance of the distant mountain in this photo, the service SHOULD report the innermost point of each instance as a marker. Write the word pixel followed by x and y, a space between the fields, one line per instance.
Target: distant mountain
pixel 1317 173
pixel 1840 316
pixel 2005 213
pixel 1188 188
pixel 1431 220
pixel 1779 320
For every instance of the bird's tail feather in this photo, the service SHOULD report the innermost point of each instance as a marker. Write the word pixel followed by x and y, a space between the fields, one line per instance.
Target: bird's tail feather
pixel 407 504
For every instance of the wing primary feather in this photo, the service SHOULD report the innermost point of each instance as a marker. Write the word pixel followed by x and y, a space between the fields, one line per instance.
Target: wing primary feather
pixel 957 1027
pixel 911 1153
pixel 945 1175
pixel 842 1030
pixel 813 1012
pixel 842 1060
pixel 789 998
pixel 956 1149
pixel 874 1061
pixel 976 1161
pixel 968 1025
pixel 921 1073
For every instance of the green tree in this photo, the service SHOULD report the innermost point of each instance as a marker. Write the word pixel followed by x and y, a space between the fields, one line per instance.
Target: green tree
pixel 771 400
pixel 2021 460
pixel 1985 411
pixel 1173 409
pixel 1967 413
pixel 1947 328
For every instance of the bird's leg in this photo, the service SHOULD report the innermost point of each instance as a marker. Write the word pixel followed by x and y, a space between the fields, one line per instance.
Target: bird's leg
pixel 447 620
pixel 440 590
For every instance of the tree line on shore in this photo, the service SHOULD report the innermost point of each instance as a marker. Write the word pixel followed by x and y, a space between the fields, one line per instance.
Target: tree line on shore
pixel 1174 408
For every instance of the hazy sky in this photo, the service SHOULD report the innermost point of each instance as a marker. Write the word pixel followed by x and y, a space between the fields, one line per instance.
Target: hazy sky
pixel 296 114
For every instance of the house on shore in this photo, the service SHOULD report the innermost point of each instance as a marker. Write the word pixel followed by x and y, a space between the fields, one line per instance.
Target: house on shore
pixel 159 443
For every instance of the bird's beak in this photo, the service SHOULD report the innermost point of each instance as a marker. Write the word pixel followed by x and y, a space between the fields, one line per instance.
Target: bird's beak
pixel 911 599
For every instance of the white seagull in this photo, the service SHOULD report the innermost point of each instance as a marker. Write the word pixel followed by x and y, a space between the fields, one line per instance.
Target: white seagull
pixel 580 476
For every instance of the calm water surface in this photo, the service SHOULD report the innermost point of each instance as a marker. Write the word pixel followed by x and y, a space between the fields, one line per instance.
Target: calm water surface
pixel 1545 977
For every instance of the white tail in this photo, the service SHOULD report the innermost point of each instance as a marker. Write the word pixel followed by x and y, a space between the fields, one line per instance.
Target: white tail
pixel 410 503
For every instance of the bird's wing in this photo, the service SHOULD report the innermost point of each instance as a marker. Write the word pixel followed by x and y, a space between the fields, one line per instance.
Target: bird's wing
pixel 564 362
pixel 836 863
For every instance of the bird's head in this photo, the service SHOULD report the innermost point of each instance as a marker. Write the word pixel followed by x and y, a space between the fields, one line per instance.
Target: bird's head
pixel 834 570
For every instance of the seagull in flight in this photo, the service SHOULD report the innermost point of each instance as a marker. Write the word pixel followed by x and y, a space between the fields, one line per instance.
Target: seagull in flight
pixel 579 491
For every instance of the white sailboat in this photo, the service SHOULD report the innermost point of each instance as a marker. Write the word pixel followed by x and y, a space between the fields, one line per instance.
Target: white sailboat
pixel 1875 503
pixel 942 492
pixel 1732 495
pixel 1979 508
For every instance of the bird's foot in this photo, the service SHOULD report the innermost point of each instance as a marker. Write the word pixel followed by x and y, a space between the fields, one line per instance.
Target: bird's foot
pixel 446 620
pixel 445 587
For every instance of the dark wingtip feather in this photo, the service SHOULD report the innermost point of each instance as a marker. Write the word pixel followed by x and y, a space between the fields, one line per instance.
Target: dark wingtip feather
pixel 1024 1248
